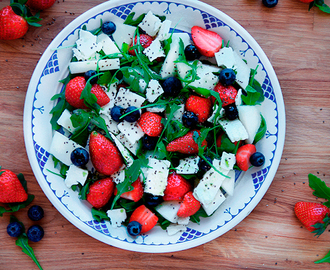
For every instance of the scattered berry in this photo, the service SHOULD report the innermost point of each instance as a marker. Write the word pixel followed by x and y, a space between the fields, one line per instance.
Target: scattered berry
pixel 89 74
pixel 134 228
pixel 243 155
pixel 172 86
pixel 117 112
pixel 231 111
pixel 79 157
pixel 203 165
pixel 227 76
pixel 11 189
pixel 40 4
pixel 14 229
pixel 191 52
pixel 149 143
pixel 152 200
pixel 257 159
pixel 35 233
pixel 108 28
pixel 35 213
pixel 133 116
pixel 270 3
pixel 189 119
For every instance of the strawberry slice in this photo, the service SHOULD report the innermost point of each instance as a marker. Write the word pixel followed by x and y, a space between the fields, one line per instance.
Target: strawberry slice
pixel 185 144
pixel 206 41
pixel 100 192
pixel 189 205
pixel 145 217
pixel 243 155
pixel 151 124
pixel 135 194
pixel 176 188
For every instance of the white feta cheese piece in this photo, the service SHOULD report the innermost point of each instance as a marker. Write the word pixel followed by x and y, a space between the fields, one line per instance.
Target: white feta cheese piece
pixel 188 165
pixel 156 109
pixel 83 66
pixel 154 90
pixel 65 121
pixel 154 51
pixel 132 131
pixel 183 36
pixel 225 57
pixel 178 114
pixel 133 147
pixel 228 184
pixel 183 221
pixel 75 175
pixel 124 34
pixel 251 119
pixel 214 204
pixel 117 216
pixel 119 177
pixel 175 228
pixel 87 46
pixel 111 93
pixel 164 30
pixel 126 98
pixel 108 46
pixel 124 152
pixel 221 113
pixel 142 85
pixel 169 210
pixel 243 71
pixel 238 98
pixel 110 123
pixel 156 178
pixel 234 129
pixel 150 24
pixel 228 161
pixel 61 148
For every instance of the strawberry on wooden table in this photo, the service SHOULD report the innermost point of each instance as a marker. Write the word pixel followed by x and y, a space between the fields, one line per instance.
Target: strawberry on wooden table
pixel 189 205
pixel 135 194
pixel 74 89
pixel 185 144
pixel 206 41
pixel 243 155
pixel 100 192
pixel 145 217
pixel 176 187
pixel 104 154
pixel 11 189
pixel 200 106
pixel 40 4
pixel 151 124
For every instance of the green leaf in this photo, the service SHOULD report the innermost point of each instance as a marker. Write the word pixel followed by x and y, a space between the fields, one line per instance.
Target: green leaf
pixel 99 215
pixel 251 97
pixel 196 217
pixel 22 242
pixel 14 207
pixel 321 227
pixel 80 121
pixel 130 21
pixel 21 178
pixel 58 109
pixel 261 131
pixel 90 100
pixel 325 259
pixel 321 5
pixel 320 188
pixel 84 190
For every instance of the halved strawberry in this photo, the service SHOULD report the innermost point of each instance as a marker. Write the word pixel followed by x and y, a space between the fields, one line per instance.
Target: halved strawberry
pixel 145 217
pixel 100 192
pixel 189 205
pixel 227 94
pixel 243 155
pixel 151 124
pixel 185 144
pixel 200 106
pixel 206 41
pixel 145 41
pixel 135 194
pixel 176 188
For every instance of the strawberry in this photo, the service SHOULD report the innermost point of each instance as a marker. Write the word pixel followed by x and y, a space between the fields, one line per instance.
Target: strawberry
pixel 176 188
pixel 227 94
pixel 40 4
pixel 243 155
pixel 11 189
pixel 151 124
pixel 206 41
pixel 189 205
pixel 135 194
pixel 311 213
pixel 145 41
pixel 12 26
pixel 74 89
pixel 100 192
pixel 200 106
pixel 104 155
pixel 185 144
pixel 145 217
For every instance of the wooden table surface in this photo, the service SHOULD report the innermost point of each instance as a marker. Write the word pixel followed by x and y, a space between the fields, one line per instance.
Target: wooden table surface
pixel 297 43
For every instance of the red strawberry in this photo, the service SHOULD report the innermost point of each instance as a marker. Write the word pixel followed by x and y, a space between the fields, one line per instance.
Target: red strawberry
pixel 200 106
pixel 189 206
pixel 176 188
pixel 206 41
pixel 151 124
pixel 145 217
pixel 185 144
pixel 40 4
pixel 105 156
pixel 135 194
pixel 12 26
pixel 73 92
pixel 100 192
pixel 310 213
pixel 145 41
pixel 243 155
pixel 11 189
pixel 227 94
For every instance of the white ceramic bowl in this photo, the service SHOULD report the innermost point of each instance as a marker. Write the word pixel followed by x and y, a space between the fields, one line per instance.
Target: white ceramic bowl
pixel 53 66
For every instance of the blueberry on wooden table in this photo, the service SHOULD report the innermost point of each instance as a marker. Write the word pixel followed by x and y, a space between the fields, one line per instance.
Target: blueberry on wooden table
pixel 14 229
pixel 35 233
pixel 270 3
pixel 35 213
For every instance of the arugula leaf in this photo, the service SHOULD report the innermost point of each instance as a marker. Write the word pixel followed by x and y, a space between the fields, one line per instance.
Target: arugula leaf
pixel 90 100
pixel 99 215
pixel 251 97
pixel 129 19
pixel 325 259
pixel 196 217
pixel 320 188
pixel 14 207
pixel 80 121
pixel 22 241
pixel 261 131
pixel 58 109
pixel 226 145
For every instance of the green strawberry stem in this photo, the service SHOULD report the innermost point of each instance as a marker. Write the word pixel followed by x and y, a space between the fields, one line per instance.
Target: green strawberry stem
pixel 22 10
pixel 321 5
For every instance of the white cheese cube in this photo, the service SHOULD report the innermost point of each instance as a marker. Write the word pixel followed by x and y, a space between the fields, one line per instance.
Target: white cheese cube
pixel 65 121
pixel 178 114
pixel 243 71
pixel 225 57
pixel 126 98
pixel 75 175
pixel 123 151
pixel 234 129
pixel 132 131
pixel 119 177
pixel 150 24
pixel 164 30
pixel 228 161
pixel 188 165
pixel 154 90
pixel 175 228
pixel 87 46
pixel 108 46
pixel 133 147
pixel 124 34
pixel 214 204
pixel 228 184
pixel 154 51
pixel 83 66
pixel 169 210
pixel 111 124
pixel 117 216
pixel 221 113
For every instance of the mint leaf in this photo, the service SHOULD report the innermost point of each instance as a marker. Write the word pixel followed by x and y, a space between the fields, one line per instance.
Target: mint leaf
pixel 320 188
pixel 22 242
pixel 325 259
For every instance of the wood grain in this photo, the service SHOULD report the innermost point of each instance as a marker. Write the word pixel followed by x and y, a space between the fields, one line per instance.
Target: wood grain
pixel 297 43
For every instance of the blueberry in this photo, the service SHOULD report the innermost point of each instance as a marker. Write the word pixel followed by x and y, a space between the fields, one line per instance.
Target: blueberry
pixel 134 228
pixel 152 200
pixel 14 229
pixel 35 213
pixel 116 113
pixel 133 116
pixel 149 143
pixel 108 28
pixel 191 52
pixel 79 157
pixel 35 233
pixel 189 119
pixel 203 165
pixel 257 159
pixel 172 86
pixel 270 3
pixel 231 111
pixel 89 74
pixel 227 76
